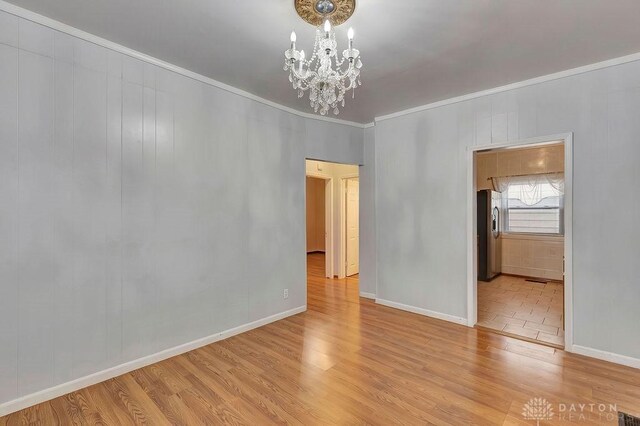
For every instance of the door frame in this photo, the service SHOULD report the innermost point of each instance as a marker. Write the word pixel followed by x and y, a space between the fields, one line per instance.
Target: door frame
pixel 472 264
pixel 342 268
pixel 328 220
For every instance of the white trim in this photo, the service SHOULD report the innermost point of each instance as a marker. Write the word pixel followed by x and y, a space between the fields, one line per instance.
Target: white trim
pixel 539 141
pixel 537 80
pixel 472 247
pixel 376 241
pixel 368 125
pixel 568 242
pixel 607 356
pixel 531 236
pixel 421 311
pixel 472 267
pixel 367 295
pixel 329 249
pixel 109 373
pixel 59 26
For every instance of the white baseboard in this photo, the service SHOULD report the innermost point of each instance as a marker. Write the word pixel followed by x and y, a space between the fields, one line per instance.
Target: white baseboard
pixel 421 311
pixel 367 295
pixel 581 350
pixel 606 356
pixel 109 373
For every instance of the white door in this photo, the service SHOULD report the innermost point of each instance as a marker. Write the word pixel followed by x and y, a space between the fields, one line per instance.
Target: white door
pixel 353 227
pixel 328 228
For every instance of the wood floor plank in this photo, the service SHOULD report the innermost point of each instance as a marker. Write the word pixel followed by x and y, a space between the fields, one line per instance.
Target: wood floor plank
pixel 66 411
pixel 348 360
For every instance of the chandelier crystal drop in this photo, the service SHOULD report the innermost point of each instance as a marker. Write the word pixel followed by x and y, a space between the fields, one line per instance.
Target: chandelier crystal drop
pixel 324 74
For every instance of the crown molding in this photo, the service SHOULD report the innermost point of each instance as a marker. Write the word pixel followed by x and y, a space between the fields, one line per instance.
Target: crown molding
pixel 537 80
pixel 75 32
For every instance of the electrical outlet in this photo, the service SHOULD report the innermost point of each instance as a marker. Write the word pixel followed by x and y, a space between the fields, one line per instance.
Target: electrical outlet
pixel 286 293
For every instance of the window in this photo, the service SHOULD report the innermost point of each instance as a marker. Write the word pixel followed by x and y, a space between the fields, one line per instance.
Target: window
pixel 534 207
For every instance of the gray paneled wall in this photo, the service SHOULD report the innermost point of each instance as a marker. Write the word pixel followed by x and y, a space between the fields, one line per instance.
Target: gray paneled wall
pixel 139 209
pixel 421 200
pixel 336 143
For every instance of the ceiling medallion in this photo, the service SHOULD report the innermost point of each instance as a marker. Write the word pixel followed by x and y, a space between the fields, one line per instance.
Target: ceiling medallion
pixel 325 75
pixel 316 12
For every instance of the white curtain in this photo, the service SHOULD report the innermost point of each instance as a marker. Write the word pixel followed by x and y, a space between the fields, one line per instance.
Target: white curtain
pixel 557 181
pixel 500 184
pixel 529 188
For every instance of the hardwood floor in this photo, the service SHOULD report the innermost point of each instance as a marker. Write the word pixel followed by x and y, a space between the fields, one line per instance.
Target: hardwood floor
pixel 349 361
pixel 523 309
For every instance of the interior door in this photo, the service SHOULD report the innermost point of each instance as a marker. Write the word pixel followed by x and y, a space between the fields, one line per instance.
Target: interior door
pixel 353 226
pixel 328 228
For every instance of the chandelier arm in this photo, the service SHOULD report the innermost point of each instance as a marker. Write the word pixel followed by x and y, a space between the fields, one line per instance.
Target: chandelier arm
pixel 347 72
pixel 309 73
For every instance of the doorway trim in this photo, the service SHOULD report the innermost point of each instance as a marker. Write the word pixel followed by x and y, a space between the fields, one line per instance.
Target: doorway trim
pixel 472 264
pixel 342 267
pixel 328 220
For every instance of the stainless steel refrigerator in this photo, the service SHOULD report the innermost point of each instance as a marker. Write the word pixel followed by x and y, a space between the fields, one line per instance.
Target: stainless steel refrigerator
pixel 489 243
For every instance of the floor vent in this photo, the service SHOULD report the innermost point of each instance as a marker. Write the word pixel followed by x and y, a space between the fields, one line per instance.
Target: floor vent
pixel 625 419
pixel 537 281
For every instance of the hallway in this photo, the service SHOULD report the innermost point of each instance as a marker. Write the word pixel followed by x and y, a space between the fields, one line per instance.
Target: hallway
pixel 330 296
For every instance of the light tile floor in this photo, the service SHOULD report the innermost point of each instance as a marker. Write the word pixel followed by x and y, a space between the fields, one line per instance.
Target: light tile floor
pixel 523 309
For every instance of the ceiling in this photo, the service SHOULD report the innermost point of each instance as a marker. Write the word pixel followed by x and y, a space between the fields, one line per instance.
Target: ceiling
pixel 414 51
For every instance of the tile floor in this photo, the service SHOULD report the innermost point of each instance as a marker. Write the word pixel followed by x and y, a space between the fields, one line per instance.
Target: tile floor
pixel 523 309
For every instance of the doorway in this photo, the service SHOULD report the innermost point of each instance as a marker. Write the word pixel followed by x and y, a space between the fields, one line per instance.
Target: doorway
pixel 319 219
pixel 318 208
pixel 520 241
pixel 352 226
pixel 332 217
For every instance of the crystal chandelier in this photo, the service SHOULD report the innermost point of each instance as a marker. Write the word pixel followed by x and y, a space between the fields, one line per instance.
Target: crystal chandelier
pixel 324 74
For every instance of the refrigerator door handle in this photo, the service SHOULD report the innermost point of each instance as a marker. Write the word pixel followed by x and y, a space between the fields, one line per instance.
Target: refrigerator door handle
pixel 495 221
